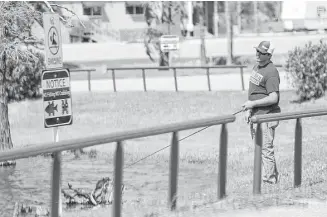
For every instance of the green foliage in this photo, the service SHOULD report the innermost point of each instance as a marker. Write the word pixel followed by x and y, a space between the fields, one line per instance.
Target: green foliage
pixel 21 60
pixel 25 82
pixel 306 70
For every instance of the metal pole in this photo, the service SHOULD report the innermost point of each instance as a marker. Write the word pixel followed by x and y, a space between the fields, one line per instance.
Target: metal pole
pixel 56 209
pixel 298 154
pixel 118 179
pixel 175 77
pixel 242 78
pixel 208 77
pixel 144 82
pixel 257 160
pixel 222 162
pixel 89 79
pixel 113 79
pixel 173 171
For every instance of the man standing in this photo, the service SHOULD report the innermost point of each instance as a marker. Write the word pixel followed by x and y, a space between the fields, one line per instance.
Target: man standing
pixel 263 98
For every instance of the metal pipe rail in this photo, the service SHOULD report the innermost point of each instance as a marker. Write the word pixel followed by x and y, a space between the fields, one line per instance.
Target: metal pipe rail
pixel 88 75
pixel 119 137
pixel 175 73
pixel 258 140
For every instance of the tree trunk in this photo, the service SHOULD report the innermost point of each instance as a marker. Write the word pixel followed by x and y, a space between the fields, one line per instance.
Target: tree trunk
pixel 5 136
pixel 215 18
pixel 255 9
pixel 229 35
pixel 239 16
pixel 202 36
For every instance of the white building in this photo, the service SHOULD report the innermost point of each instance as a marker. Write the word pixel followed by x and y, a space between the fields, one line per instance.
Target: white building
pixel 301 14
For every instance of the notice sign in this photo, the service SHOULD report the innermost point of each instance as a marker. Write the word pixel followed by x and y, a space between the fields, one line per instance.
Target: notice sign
pixel 169 43
pixel 52 41
pixel 57 100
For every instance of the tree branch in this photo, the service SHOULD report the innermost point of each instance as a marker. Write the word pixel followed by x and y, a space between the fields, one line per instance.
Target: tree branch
pixel 60 17
pixel 72 12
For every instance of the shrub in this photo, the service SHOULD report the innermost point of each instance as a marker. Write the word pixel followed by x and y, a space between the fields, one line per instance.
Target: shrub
pixel 306 70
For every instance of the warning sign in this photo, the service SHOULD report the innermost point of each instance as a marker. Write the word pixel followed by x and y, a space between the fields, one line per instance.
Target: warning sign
pixel 57 100
pixel 53 44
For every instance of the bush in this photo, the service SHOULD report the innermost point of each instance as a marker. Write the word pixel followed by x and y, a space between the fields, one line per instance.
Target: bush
pixel 306 70
pixel 237 60
pixel 25 79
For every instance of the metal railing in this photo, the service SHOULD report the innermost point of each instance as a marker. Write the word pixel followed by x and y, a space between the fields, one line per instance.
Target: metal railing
pixel 258 140
pixel 119 137
pixel 174 68
pixel 88 75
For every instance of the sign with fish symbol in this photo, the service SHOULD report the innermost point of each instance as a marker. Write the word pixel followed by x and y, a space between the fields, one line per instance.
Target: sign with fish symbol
pixel 52 41
pixel 57 100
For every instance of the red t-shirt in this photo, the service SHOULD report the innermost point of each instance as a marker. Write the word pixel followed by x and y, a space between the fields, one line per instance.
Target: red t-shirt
pixel 263 81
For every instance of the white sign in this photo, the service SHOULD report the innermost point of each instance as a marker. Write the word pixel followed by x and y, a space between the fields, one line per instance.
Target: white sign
pixel 169 43
pixel 57 100
pixel 52 39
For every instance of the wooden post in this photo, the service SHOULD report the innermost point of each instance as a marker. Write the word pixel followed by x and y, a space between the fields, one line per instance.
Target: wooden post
pixel 172 200
pixel 222 171
pixel 118 179
pixel 175 77
pixel 144 82
pixel 208 77
pixel 257 160
pixel 298 154
pixel 113 79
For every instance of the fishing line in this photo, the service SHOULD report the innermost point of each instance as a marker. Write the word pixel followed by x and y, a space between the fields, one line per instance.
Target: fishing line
pixel 170 145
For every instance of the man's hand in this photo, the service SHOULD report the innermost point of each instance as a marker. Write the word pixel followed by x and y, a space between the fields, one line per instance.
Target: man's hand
pixel 248 105
pixel 247 115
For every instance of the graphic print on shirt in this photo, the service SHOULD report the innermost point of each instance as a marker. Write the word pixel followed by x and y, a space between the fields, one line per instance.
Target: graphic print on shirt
pixel 256 78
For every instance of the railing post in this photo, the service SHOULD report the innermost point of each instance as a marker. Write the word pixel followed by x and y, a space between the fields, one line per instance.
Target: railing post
pixel 222 162
pixel 118 179
pixel 208 76
pixel 89 79
pixel 56 185
pixel 173 172
pixel 257 160
pixel 114 79
pixel 144 82
pixel 242 79
pixel 175 77
pixel 298 154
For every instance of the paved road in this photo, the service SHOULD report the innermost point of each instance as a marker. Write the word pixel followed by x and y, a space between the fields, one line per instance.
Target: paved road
pixel 185 83
pixel 90 52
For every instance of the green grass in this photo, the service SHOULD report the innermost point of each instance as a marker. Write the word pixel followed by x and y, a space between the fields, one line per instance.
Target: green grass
pixel 147 181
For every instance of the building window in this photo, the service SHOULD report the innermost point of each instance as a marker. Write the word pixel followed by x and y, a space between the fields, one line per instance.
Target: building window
pixel 134 8
pixel 92 11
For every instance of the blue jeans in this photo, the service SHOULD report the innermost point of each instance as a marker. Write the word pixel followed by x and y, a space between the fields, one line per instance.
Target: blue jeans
pixel 270 173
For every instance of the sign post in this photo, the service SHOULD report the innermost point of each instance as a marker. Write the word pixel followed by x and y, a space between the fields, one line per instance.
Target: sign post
pixel 57 100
